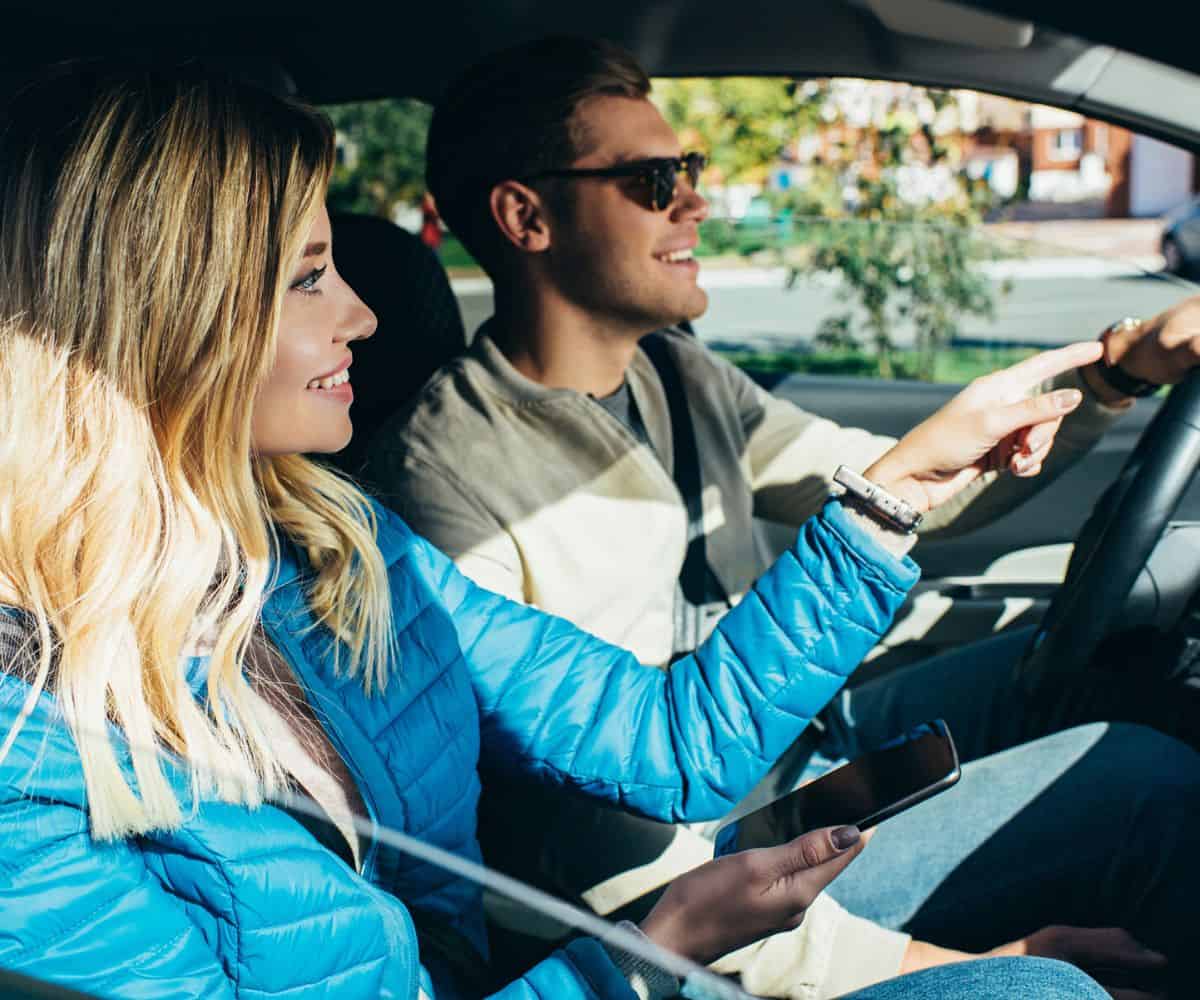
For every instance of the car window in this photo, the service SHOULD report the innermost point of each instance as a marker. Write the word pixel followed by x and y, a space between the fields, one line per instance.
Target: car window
pixel 917 300
pixel 873 229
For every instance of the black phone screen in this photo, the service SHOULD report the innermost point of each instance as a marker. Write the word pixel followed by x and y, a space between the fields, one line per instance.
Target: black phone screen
pixel 864 792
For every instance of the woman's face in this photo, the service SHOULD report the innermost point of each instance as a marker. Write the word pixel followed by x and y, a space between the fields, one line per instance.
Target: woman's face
pixel 304 405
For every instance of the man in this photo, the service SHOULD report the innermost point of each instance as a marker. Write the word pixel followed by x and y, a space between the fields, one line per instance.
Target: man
pixel 542 462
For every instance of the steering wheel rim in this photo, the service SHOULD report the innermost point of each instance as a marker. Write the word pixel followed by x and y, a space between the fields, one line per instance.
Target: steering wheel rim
pixel 1116 541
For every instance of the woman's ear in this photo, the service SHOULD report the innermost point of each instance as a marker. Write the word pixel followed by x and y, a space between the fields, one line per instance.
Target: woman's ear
pixel 520 214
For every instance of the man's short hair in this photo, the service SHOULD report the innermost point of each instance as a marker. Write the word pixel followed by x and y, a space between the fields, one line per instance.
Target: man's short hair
pixel 511 116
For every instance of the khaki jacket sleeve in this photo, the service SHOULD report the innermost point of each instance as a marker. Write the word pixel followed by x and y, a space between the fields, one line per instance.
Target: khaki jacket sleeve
pixel 831 953
pixel 791 456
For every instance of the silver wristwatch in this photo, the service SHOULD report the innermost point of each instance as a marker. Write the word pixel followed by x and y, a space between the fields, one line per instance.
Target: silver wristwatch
pixel 873 499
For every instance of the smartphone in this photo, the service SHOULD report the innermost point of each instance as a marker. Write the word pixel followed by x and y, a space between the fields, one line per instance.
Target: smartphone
pixel 868 790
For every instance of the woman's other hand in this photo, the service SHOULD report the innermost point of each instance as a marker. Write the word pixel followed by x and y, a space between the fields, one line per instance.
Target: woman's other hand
pixel 993 424
pixel 735 900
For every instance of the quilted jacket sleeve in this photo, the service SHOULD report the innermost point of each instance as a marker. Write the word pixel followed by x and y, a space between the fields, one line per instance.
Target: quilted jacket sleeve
pixel 73 911
pixel 580 971
pixel 688 743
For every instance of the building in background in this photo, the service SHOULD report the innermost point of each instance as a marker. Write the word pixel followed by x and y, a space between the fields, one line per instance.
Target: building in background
pixel 1081 166
pixel 1044 162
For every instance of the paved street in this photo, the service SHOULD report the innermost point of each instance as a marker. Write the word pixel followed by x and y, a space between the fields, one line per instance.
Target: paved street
pixel 1052 301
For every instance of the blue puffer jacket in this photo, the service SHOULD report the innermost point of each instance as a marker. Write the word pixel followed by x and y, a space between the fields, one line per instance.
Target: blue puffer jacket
pixel 248 904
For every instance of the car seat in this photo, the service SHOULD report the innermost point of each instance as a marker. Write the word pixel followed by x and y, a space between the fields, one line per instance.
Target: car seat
pixel 420 326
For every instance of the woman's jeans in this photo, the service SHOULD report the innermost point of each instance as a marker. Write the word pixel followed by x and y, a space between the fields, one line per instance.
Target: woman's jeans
pixel 992 979
pixel 1096 826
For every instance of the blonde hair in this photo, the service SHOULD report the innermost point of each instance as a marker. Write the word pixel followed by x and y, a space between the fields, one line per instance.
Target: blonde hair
pixel 148 224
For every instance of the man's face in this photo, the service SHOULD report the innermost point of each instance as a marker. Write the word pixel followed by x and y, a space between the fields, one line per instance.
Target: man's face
pixel 611 253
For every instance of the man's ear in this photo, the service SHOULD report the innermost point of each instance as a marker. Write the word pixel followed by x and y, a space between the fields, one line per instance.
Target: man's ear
pixel 520 214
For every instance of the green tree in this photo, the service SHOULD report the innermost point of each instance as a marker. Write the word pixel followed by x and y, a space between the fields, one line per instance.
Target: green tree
pixel 381 155
pixel 744 123
pixel 918 271
pixel 900 261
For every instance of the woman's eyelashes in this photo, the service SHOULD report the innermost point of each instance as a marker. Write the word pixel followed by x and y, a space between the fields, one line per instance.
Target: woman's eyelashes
pixel 308 284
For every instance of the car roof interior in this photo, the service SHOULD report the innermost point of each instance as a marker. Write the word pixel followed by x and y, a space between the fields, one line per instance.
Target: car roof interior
pixel 1089 59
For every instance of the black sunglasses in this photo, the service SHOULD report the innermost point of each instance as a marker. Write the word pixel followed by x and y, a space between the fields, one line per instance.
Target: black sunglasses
pixel 660 173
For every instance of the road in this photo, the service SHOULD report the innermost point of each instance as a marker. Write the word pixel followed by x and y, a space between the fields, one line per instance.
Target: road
pixel 1052 301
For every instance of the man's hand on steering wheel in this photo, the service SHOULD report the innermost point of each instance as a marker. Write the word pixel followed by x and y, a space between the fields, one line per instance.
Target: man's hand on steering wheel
pixel 1160 351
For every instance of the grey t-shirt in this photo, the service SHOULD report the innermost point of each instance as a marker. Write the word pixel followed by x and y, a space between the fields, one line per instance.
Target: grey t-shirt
pixel 621 405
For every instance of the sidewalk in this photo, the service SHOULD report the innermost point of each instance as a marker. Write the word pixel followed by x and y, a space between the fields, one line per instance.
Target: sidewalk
pixel 1108 238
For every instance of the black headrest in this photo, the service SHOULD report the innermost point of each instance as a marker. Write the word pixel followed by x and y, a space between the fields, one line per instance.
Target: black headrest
pixel 420 327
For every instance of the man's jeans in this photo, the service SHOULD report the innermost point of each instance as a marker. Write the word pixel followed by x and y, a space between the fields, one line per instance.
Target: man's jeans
pixel 1096 825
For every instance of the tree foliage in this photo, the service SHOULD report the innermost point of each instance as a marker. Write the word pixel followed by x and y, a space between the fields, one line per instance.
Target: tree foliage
pixel 904 260
pixel 744 123
pixel 381 155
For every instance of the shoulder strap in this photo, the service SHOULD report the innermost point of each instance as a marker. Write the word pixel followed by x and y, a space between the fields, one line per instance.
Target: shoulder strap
pixel 699 583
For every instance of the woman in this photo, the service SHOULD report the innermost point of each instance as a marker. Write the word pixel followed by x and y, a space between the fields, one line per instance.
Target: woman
pixel 200 618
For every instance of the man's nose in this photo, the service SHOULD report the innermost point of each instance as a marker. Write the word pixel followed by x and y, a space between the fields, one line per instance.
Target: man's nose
pixel 689 203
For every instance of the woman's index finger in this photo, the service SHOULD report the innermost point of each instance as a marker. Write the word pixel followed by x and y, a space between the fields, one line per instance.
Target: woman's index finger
pixel 1047 364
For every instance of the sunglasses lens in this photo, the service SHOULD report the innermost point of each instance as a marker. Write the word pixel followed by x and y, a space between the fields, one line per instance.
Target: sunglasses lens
pixel 663 178
pixel 663 186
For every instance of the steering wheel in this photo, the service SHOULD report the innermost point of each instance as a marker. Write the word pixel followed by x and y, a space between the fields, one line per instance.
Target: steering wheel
pixel 1112 550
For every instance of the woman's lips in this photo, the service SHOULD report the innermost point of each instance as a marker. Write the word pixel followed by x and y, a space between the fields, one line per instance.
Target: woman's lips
pixel 335 385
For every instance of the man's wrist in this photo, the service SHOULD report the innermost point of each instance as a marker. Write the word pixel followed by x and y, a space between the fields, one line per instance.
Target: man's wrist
pixel 1102 391
pixel 923 955
pixel 1109 381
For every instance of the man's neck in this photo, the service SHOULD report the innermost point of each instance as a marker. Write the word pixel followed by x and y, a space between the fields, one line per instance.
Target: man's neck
pixel 562 347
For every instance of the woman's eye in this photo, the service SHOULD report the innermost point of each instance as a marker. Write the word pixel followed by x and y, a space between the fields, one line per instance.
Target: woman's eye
pixel 309 282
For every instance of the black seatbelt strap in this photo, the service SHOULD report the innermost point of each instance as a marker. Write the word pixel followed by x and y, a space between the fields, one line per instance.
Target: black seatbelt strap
pixel 698 583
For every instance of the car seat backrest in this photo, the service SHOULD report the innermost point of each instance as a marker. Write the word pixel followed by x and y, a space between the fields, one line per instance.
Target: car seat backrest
pixel 420 327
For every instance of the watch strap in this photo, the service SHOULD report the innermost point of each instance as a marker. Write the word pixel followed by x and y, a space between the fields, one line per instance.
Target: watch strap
pixel 873 499
pixel 1114 375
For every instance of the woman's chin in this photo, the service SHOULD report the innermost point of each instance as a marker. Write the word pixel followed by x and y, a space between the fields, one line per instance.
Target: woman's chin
pixel 330 447
pixel 326 443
